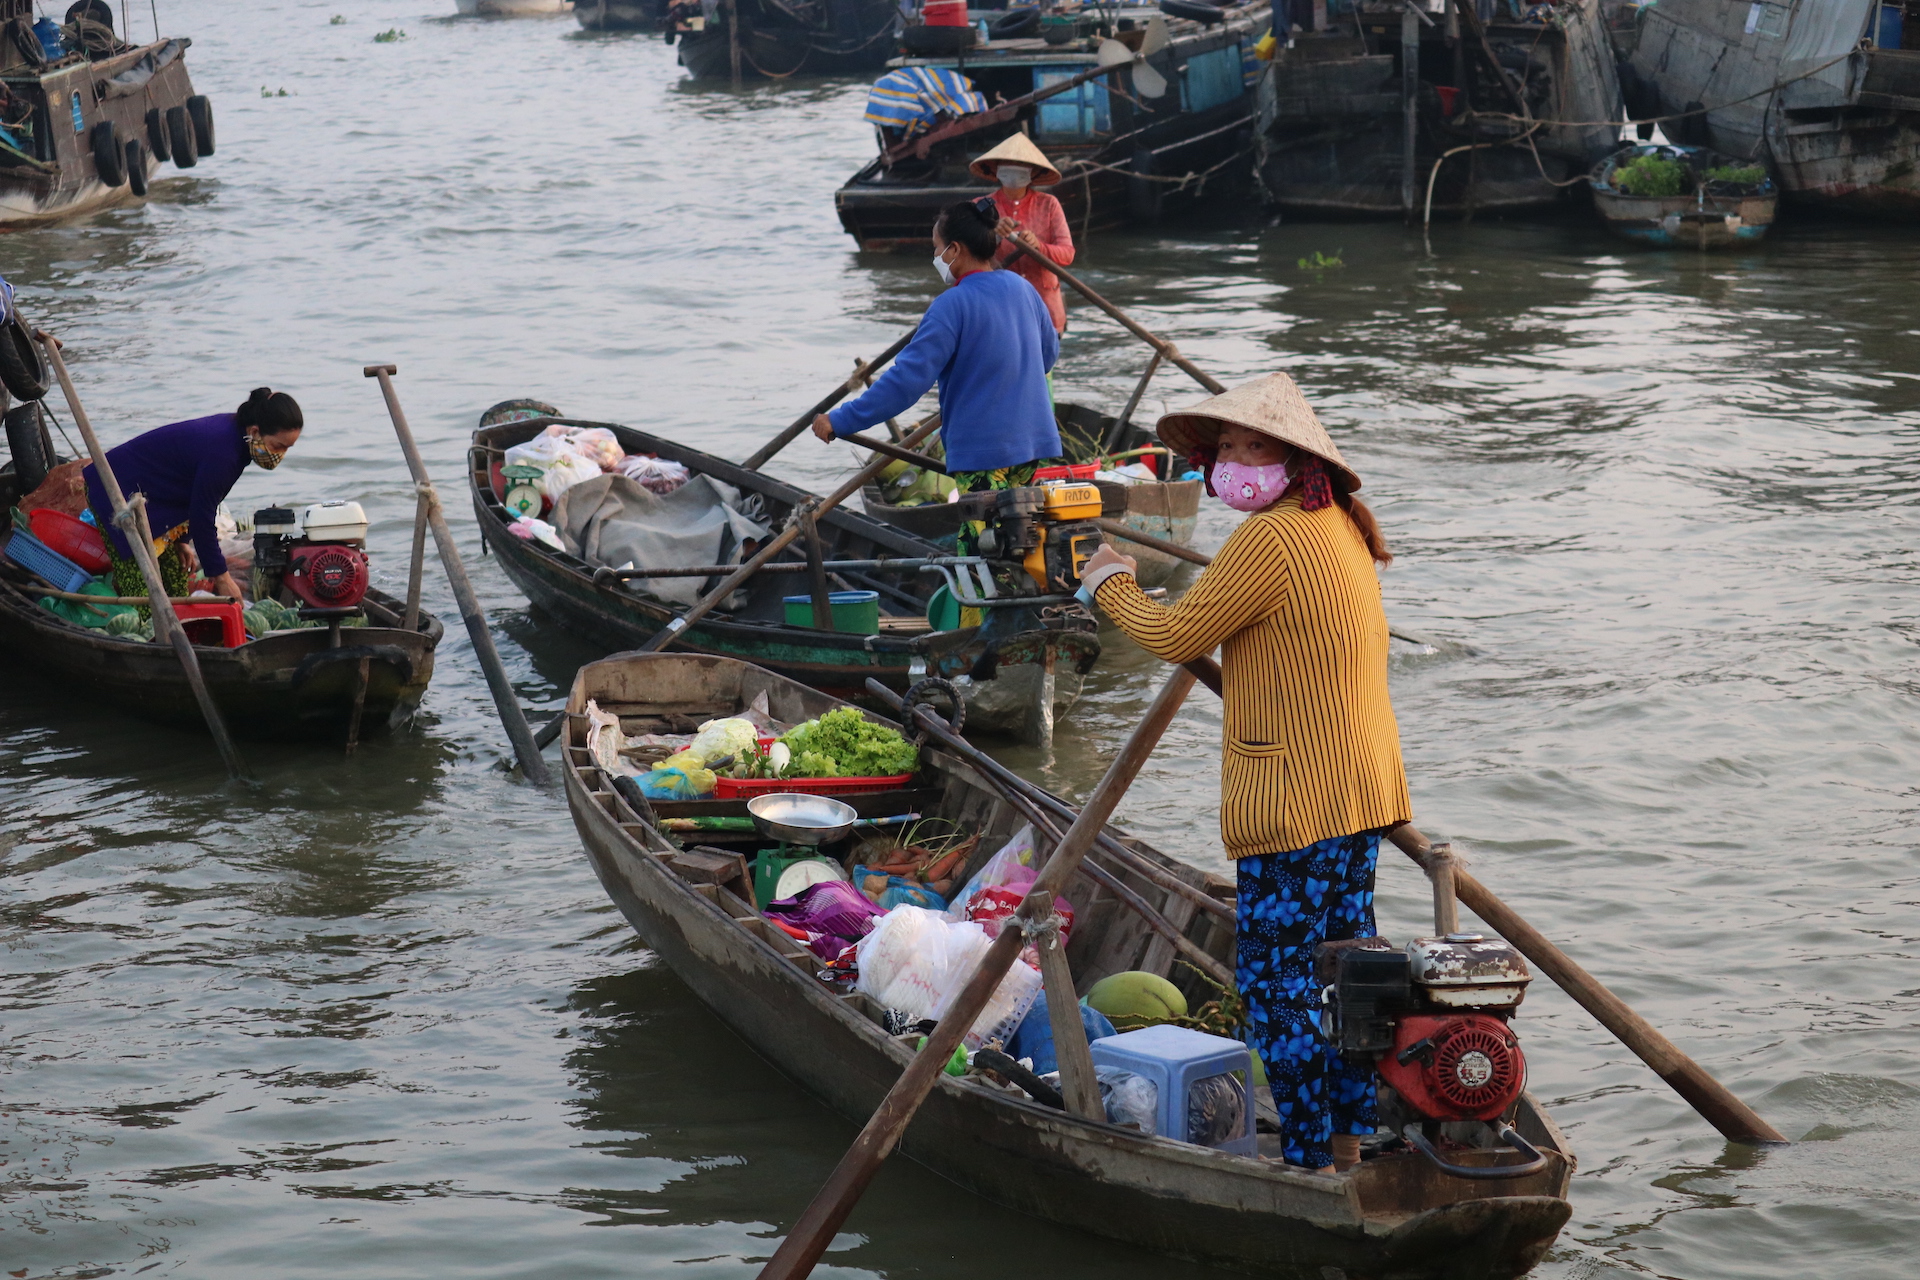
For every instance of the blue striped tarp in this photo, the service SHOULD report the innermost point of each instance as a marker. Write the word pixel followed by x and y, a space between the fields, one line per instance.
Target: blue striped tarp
pixel 913 97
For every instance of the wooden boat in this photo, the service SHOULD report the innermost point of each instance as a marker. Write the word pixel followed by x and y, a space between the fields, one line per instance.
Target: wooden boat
pixel 1167 509
pixel 90 129
pixel 621 614
pixel 1333 135
pixel 1394 1215
pixel 620 15
pixel 1827 90
pixel 781 38
pixel 1115 148
pixel 287 685
pixel 512 8
pixel 1712 213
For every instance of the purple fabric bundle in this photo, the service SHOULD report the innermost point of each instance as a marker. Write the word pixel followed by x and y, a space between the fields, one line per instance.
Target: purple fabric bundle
pixel 831 907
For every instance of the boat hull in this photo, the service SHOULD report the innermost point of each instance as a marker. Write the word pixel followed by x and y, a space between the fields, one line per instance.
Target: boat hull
pixel 1394 1217
pixel 58 178
pixel 563 587
pixel 620 15
pixel 858 39
pixel 289 685
pixel 512 8
pixel 1686 223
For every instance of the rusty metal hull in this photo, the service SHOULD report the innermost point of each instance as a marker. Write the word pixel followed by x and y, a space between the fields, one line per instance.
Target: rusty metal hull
pixel 1394 1218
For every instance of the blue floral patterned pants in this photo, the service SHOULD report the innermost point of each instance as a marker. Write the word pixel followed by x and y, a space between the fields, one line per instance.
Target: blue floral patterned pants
pixel 1288 904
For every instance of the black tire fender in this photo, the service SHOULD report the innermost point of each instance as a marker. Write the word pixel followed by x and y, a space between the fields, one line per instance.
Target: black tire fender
pixel 23 365
pixel 186 153
pixel 200 112
pixel 136 166
pixel 31 446
pixel 1015 24
pixel 157 140
pixel 109 156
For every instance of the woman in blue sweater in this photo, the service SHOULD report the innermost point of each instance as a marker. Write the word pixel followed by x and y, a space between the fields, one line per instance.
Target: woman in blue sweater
pixel 186 469
pixel 990 343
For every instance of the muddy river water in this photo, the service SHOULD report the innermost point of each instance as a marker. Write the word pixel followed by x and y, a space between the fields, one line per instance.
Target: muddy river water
pixel 1656 515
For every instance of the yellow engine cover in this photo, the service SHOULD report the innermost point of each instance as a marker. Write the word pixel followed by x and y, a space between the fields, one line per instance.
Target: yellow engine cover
pixel 1073 502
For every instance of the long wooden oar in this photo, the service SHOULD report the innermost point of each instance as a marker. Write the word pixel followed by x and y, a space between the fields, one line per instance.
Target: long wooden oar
pixel 816 1227
pixel 1166 349
pixel 131 518
pixel 504 699
pixel 793 429
pixel 774 545
pixel 1715 1103
pixel 1713 1100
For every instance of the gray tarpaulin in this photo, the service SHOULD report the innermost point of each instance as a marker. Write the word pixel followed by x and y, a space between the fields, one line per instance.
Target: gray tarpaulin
pixel 612 520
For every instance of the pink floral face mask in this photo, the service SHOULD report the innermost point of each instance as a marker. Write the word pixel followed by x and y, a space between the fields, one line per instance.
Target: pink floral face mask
pixel 1249 488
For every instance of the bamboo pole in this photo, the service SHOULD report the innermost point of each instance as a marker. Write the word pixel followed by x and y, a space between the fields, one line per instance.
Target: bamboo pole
pixel 815 1230
pixel 793 429
pixel 896 452
pixel 1119 428
pixel 1713 1100
pixel 1159 344
pixel 132 520
pixel 774 545
pixel 505 701
pixel 417 565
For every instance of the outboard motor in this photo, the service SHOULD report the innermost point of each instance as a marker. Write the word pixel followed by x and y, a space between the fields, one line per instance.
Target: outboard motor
pixel 1433 1020
pixel 1047 529
pixel 319 562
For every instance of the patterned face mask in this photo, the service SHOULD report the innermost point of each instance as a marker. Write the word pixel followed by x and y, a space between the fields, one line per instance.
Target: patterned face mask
pixel 1249 488
pixel 264 455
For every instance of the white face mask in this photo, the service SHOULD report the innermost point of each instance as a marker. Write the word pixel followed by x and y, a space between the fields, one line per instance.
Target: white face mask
pixel 940 265
pixel 1013 176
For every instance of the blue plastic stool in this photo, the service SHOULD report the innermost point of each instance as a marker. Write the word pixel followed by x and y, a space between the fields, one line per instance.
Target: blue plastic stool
pixel 1177 1060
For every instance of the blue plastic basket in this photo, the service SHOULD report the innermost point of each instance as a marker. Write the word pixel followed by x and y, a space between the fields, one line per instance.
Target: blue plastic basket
pixel 30 553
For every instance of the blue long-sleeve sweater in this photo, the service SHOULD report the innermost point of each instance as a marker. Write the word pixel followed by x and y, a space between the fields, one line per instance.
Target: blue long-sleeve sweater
pixel 186 469
pixel 989 343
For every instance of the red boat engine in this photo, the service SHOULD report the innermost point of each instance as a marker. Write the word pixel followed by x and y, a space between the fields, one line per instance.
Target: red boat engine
pixel 318 560
pixel 328 576
pixel 1433 1022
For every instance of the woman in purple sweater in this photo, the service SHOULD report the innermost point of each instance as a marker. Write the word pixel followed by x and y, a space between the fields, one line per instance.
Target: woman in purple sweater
pixel 186 469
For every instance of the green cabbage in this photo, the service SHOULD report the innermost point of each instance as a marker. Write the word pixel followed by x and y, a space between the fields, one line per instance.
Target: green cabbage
pixel 845 744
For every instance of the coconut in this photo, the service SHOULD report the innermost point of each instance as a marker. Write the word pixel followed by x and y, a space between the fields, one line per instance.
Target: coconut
pixel 1136 999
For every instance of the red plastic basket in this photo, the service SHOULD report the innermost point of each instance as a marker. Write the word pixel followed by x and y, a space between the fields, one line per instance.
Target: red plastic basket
pixel 1072 471
pixel 73 538
pixel 741 788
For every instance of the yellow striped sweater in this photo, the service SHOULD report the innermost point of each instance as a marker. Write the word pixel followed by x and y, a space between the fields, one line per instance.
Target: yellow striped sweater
pixel 1311 747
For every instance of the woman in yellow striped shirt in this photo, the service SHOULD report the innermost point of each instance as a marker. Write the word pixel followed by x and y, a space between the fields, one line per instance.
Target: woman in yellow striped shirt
pixel 1310 772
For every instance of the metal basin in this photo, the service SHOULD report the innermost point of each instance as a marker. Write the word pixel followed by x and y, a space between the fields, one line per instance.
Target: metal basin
pixel 800 819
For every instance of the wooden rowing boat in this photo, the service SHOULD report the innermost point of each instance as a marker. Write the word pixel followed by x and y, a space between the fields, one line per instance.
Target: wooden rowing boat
pixel 298 684
pixel 1167 509
pixel 621 614
pixel 1394 1215
pixel 1711 212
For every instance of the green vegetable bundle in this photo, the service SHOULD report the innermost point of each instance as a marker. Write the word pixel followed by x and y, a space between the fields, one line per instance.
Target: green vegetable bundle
pixel 1748 175
pixel 845 744
pixel 1651 176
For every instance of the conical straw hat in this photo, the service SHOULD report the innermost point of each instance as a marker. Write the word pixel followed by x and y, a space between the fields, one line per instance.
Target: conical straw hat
pixel 1271 405
pixel 1017 149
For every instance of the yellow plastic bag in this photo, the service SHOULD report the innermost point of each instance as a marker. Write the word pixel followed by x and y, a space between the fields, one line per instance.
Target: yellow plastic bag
pixel 1265 47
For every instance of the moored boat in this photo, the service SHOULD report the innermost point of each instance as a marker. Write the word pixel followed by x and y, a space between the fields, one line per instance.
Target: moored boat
pixel 85 119
pixel 1168 509
pixel 1365 117
pixel 1125 155
pixel 620 15
pixel 1683 197
pixel 1827 92
pixel 1058 643
pixel 1396 1214
pixel 512 8
pixel 781 38
pixel 320 683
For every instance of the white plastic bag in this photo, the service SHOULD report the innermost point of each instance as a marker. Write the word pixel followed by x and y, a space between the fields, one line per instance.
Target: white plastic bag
pixel 604 740
pixel 1130 1099
pixel 657 475
pixel 917 961
pixel 565 473
pixel 1017 863
pixel 542 451
pixel 595 444
pixel 534 529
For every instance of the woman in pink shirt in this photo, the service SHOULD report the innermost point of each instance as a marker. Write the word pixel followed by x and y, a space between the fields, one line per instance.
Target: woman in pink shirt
pixel 1033 217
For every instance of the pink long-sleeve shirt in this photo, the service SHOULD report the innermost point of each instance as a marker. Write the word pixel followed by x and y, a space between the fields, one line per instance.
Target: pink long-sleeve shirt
pixel 1041 214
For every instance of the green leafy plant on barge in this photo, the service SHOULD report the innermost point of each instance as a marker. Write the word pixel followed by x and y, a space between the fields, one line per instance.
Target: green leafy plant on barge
pixel 1651 176
pixel 1747 175
pixel 1317 261
pixel 392 35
